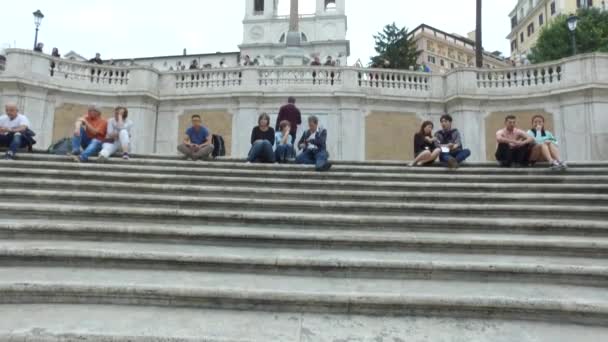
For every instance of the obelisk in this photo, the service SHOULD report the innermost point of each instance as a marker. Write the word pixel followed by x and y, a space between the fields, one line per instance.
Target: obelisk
pixel 294 37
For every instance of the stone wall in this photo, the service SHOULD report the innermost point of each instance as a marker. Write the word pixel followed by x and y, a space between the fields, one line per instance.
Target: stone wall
pixel 390 136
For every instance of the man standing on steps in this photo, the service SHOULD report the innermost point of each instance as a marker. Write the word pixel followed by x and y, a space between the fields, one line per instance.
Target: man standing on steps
pixel 198 141
pixel 452 152
pixel 291 113
pixel 513 144
pixel 314 146
pixel 89 134
pixel 14 131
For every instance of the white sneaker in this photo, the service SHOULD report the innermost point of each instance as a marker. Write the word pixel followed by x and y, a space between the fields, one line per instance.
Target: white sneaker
pixel 563 164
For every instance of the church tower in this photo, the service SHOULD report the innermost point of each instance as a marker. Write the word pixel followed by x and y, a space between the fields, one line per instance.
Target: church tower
pixel 323 32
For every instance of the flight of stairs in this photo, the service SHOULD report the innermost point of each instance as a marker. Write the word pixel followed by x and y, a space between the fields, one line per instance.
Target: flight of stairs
pixel 160 249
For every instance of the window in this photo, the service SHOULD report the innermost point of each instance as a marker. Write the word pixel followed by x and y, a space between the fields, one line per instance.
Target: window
pixel 530 29
pixel 442 62
pixel 513 22
pixel 553 8
pixel 541 20
pixel 258 7
pixel 513 45
pixel 521 37
pixel 452 66
pixel 584 3
pixel 431 59
pixel 330 5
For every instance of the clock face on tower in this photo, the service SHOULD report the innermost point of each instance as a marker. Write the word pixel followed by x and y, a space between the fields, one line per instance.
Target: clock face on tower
pixel 256 33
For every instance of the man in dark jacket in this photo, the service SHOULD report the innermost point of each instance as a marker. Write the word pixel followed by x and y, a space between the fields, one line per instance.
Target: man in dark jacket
pixel 291 113
pixel 452 152
pixel 314 146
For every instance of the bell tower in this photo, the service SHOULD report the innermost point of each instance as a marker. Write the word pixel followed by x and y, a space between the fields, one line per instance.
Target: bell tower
pixel 260 9
pixel 331 7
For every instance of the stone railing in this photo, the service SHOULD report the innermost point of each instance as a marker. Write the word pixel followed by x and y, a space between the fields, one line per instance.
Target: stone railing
pixel 207 79
pixel 28 67
pixel 527 76
pixel 393 79
pixel 88 73
pixel 300 76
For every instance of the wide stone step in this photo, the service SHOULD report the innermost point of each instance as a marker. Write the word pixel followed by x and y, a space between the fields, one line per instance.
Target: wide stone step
pixel 362 208
pixel 556 185
pixel 540 302
pixel 398 167
pixel 237 216
pixel 279 174
pixel 480 195
pixel 113 323
pixel 482 242
pixel 296 262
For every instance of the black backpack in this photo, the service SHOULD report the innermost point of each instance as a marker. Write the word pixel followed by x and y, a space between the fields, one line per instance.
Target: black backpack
pixel 61 147
pixel 219 148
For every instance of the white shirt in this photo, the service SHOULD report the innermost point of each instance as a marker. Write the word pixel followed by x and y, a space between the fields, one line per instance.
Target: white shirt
pixel 113 126
pixel 18 121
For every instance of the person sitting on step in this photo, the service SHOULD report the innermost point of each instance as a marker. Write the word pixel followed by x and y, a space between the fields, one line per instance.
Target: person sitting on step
pixel 15 131
pixel 262 141
pixel 119 135
pixel 284 143
pixel 546 147
pixel 198 141
pixel 314 146
pixel 89 134
pixel 426 147
pixel 513 144
pixel 449 139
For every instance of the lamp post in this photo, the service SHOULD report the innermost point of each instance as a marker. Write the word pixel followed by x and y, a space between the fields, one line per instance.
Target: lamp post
pixel 37 20
pixel 572 23
pixel 478 38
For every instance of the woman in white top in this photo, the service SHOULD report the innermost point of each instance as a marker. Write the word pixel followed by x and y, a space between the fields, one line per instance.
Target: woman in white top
pixel 118 136
pixel 546 147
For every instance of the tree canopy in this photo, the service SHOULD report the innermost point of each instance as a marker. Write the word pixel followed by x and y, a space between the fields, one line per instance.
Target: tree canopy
pixel 555 39
pixel 394 49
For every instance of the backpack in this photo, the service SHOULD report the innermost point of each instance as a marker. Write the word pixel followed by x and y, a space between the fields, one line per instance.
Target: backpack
pixel 61 147
pixel 219 148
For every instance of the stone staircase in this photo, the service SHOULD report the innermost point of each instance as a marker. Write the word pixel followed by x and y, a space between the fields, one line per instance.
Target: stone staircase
pixel 159 249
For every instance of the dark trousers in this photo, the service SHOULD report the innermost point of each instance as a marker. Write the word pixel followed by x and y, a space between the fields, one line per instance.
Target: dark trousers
pixel 261 151
pixel 459 155
pixel 507 155
pixel 316 158
pixel 13 141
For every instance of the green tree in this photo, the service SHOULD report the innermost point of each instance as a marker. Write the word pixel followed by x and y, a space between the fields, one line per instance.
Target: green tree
pixel 555 40
pixel 394 49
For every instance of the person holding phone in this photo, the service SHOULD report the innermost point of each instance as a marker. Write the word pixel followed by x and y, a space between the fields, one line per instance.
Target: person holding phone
pixel 426 147
pixel 452 152
pixel 546 147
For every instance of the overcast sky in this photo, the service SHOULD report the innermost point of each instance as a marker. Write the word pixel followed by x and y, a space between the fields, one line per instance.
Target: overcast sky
pixel 138 28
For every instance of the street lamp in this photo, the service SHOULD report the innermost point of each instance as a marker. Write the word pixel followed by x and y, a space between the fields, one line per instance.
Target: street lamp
pixel 37 20
pixel 572 23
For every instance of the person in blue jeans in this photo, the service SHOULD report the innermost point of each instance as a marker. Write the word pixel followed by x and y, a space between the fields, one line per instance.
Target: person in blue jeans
pixel 14 131
pixel 262 141
pixel 89 134
pixel 314 146
pixel 452 152
pixel 284 143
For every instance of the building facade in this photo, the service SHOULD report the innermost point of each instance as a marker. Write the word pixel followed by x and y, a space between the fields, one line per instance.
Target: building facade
pixel 443 51
pixel 529 17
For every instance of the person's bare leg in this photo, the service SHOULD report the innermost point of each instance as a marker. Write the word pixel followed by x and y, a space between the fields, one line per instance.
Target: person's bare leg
pixel 435 155
pixel 422 158
pixel 535 154
pixel 554 152
pixel 546 153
